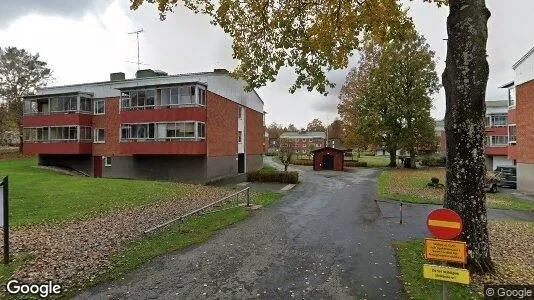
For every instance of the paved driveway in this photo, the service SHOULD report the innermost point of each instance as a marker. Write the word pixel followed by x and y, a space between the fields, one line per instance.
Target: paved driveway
pixel 326 239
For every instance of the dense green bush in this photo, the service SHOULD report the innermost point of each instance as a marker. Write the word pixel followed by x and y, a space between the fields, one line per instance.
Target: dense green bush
pixel 355 164
pixel 434 161
pixel 273 176
pixel 302 162
pixel 271 153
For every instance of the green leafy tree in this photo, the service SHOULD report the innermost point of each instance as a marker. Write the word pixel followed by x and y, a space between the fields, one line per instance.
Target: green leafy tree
pixel 316 126
pixel 335 130
pixel 314 37
pixel 20 74
pixel 291 128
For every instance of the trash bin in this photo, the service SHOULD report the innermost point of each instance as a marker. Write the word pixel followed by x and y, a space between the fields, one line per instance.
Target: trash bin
pixel 407 162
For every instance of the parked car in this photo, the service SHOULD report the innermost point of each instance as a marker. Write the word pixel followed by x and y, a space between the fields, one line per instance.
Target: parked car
pixel 510 176
pixel 493 181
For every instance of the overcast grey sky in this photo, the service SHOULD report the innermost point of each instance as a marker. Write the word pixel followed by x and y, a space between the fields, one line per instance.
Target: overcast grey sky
pixel 85 40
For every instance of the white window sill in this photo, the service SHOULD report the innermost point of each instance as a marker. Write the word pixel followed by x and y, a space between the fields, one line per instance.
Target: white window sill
pixel 99 142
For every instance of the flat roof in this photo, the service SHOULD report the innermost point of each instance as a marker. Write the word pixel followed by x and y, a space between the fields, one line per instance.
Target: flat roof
pixel 303 135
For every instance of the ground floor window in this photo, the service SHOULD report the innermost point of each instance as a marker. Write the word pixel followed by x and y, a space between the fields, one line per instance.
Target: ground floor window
pixel 107 161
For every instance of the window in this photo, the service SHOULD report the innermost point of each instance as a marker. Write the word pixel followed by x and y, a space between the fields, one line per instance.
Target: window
pixel 68 133
pixel 511 96
pixel 201 96
pixel 100 107
pixel 107 161
pixel 174 96
pixel 512 134
pixel 497 120
pixel 201 130
pixel 85 104
pixel 498 141
pixel 100 135
pixel 85 133
pixel 240 136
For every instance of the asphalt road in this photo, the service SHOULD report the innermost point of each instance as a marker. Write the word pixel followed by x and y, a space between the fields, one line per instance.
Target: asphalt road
pixel 328 238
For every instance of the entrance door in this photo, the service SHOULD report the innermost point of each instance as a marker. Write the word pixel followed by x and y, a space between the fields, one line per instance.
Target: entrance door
pixel 328 162
pixel 241 163
pixel 97 166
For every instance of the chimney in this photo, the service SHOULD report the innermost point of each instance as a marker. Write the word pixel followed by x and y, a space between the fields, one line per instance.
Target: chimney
pixel 117 76
pixel 220 71
pixel 145 73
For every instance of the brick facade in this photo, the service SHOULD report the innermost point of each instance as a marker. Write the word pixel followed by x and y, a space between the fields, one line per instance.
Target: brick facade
pixel 221 130
pixel 524 122
pixel 111 122
pixel 255 132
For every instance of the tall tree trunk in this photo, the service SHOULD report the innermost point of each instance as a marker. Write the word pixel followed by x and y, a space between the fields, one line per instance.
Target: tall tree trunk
pixel 412 159
pixel 465 79
pixel 392 158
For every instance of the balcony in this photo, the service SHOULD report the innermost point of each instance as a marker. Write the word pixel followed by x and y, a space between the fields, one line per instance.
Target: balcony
pixel 496 150
pixel 176 147
pixel 66 147
pixel 57 120
pixel 164 114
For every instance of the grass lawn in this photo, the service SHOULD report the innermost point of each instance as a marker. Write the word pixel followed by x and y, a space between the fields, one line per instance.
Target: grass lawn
pixel 511 252
pixel 411 186
pixel 38 196
pixel 375 161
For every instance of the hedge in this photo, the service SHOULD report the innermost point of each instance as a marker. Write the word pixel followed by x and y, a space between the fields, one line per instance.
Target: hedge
pixel 273 176
pixel 355 164
pixel 434 161
pixel 302 162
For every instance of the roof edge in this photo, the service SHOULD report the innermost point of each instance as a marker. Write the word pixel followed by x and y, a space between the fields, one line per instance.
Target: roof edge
pixel 522 59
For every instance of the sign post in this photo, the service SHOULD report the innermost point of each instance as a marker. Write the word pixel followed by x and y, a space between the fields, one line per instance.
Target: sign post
pixel 4 216
pixel 445 225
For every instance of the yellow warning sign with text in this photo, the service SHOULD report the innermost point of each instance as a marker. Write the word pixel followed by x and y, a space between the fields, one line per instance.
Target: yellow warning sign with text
pixel 444 250
pixel 446 274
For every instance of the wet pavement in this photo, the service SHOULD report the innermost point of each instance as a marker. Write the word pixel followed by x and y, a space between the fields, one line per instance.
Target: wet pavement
pixel 327 238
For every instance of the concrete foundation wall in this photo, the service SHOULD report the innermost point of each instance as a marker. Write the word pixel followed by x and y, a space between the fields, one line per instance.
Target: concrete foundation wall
pixel 83 163
pixel 221 166
pixel 525 177
pixel 254 162
pixel 161 167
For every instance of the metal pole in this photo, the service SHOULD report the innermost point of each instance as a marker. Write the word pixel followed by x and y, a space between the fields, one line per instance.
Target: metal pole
pixel 444 292
pixel 138 61
pixel 5 189
pixel 248 197
pixel 401 213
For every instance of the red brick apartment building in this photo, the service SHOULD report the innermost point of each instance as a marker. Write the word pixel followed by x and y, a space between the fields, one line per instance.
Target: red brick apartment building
pixel 196 127
pixel 521 121
pixel 302 142
pixel 497 140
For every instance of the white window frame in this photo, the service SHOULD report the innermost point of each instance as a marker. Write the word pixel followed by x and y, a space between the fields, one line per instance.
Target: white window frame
pixel 96 107
pixel 95 136
pixel 514 142
pixel 240 136
pixel 106 162
pixel 493 138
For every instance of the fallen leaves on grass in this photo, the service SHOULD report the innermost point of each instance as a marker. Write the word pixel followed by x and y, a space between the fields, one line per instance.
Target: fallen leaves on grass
pixel 77 251
pixel 512 253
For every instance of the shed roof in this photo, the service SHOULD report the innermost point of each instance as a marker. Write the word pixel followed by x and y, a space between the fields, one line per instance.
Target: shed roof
pixel 328 148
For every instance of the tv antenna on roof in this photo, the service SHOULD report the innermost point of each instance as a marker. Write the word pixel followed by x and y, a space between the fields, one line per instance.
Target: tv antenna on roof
pixel 137 32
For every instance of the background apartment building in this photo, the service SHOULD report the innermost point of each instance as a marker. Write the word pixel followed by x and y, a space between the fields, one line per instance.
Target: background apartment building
pixel 497 135
pixel 521 121
pixel 191 127
pixel 302 142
